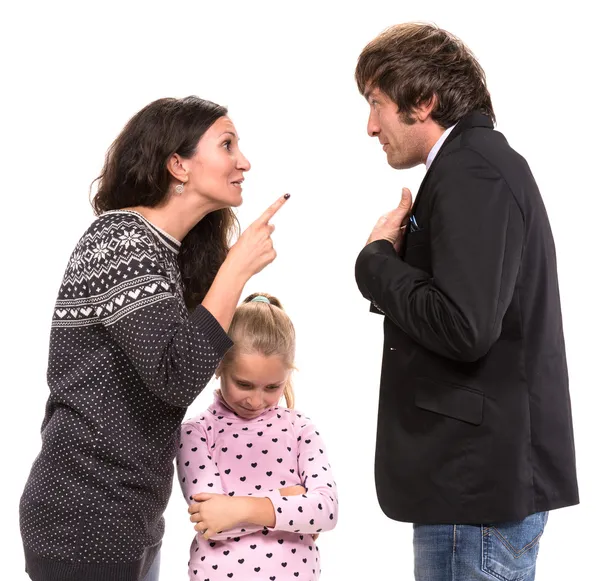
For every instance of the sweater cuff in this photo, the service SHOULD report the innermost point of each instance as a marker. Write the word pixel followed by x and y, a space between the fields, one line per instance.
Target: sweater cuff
pixel 219 339
pixel 275 497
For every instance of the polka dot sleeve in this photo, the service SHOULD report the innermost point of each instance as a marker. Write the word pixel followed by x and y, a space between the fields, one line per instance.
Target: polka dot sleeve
pixel 197 472
pixel 317 510
pixel 138 300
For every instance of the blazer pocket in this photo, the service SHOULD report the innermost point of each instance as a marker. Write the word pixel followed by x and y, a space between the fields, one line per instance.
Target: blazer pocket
pixel 416 238
pixel 455 401
pixel 416 250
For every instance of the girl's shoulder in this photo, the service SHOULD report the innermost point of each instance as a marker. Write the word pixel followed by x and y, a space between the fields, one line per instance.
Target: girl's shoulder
pixel 295 418
pixel 201 421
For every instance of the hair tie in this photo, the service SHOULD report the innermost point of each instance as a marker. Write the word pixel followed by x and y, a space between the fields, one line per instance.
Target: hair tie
pixel 260 299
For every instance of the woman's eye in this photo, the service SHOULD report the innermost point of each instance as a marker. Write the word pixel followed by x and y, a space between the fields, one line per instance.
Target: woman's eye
pixel 227 145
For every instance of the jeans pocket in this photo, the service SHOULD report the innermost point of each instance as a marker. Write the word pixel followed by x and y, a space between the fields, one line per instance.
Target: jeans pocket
pixel 510 549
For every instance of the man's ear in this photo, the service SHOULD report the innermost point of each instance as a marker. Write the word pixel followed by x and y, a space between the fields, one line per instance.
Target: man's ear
pixel 423 110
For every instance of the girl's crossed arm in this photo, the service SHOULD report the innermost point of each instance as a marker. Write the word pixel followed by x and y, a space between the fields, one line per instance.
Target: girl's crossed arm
pixel 218 514
pixel 317 509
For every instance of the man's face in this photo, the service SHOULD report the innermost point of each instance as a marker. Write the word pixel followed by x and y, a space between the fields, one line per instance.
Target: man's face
pixel 403 144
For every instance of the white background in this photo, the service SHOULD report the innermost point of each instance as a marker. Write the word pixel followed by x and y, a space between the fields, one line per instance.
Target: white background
pixel 73 74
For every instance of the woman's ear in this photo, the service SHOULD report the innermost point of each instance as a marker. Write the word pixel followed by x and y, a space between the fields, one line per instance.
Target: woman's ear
pixel 177 167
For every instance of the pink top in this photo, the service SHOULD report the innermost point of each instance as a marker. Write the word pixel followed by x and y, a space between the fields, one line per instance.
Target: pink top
pixel 222 453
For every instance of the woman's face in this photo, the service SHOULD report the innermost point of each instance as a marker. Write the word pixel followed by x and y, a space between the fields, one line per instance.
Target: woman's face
pixel 216 170
pixel 251 383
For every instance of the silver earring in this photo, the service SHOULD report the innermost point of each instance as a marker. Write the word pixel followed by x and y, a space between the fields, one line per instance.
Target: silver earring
pixel 179 188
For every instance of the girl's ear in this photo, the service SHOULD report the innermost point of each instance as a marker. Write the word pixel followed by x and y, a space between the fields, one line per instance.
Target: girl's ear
pixel 219 371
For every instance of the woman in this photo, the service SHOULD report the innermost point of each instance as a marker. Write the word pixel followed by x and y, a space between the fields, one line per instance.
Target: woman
pixel 138 330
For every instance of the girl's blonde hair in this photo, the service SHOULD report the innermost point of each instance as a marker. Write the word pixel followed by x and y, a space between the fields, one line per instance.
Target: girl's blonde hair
pixel 265 328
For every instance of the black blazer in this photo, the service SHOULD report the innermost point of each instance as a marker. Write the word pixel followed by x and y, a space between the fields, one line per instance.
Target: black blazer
pixel 474 418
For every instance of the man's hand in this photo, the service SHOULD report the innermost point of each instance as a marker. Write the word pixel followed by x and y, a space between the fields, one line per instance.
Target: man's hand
pixel 392 226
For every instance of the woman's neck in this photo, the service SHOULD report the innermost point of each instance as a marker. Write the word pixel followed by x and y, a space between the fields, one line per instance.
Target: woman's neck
pixel 176 216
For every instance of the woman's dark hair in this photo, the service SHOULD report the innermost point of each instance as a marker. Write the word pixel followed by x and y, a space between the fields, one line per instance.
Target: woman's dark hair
pixel 135 174
pixel 411 63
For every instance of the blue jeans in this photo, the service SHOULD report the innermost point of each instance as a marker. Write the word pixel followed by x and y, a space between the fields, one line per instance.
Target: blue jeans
pixel 153 572
pixel 500 552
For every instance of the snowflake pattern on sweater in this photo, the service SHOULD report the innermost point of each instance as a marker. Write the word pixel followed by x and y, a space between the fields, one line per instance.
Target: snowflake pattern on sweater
pixel 126 359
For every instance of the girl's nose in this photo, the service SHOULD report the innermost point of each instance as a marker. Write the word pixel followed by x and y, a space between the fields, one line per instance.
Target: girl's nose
pixel 256 401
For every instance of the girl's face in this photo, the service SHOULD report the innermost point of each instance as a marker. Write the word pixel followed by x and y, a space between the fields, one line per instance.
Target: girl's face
pixel 251 383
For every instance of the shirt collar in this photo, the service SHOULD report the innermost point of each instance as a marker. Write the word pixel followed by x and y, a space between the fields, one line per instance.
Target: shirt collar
pixel 438 144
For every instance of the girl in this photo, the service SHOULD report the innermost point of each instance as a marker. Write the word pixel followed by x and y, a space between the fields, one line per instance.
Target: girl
pixel 139 327
pixel 256 475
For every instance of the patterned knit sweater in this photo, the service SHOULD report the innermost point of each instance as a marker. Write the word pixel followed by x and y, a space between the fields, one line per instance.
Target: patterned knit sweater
pixel 126 359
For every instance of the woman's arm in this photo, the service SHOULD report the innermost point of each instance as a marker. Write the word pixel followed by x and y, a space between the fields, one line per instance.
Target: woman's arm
pixel 132 295
pixel 139 305
pixel 247 257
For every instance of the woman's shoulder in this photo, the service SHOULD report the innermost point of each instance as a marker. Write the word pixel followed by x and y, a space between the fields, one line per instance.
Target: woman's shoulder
pixel 114 238
pixel 122 227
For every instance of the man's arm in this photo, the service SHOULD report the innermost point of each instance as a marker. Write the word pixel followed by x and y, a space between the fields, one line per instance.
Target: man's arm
pixel 476 237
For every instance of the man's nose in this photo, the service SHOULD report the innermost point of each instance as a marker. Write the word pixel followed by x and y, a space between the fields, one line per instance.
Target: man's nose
pixel 373 125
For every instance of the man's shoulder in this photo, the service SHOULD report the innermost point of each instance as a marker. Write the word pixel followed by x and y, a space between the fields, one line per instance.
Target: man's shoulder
pixel 482 145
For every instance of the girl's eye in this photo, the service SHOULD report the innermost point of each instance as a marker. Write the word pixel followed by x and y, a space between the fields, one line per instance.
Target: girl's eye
pixel 272 387
pixel 242 384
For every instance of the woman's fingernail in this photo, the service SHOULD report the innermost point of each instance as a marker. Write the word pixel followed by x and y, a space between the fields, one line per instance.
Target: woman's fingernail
pixel 286 196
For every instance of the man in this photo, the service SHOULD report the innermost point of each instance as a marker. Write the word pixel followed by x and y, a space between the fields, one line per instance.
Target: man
pixel 474 439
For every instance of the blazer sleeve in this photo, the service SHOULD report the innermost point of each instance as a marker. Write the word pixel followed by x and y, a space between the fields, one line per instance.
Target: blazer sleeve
pixel 476 240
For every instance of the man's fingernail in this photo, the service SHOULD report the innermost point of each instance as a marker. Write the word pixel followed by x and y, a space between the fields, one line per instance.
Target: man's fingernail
pixel 287 196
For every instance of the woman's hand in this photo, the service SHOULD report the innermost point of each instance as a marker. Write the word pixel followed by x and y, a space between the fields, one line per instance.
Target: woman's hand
pixel 254 248
pixel 249 255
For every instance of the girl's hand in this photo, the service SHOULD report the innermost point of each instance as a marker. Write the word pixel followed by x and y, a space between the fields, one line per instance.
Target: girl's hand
pixel 292 490
pixel 216 512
